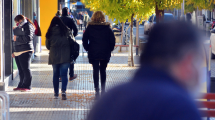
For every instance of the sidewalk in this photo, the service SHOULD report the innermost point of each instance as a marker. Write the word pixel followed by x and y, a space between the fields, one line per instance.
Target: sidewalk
pixel 39 103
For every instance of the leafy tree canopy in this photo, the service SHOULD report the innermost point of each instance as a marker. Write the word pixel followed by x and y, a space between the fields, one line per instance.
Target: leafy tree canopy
pixel 123 9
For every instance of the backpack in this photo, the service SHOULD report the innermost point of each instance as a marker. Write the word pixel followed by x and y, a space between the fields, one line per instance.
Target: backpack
pixel 74 49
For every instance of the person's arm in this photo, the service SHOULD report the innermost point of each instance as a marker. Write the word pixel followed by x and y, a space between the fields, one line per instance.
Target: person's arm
pixel 48 44
pixel 112 39
pixel 85 39
pixel 73 27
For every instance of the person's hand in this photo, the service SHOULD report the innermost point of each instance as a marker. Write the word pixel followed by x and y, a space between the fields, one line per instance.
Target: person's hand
pixel 13 56
pixel 14 27
pixel 14 38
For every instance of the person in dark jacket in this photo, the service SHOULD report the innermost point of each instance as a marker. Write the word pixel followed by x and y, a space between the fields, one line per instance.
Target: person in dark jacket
pixel 70 23
pixel 165 85
pixel 99 41
pixel 59 54
pixel 80 19
pixel 22 50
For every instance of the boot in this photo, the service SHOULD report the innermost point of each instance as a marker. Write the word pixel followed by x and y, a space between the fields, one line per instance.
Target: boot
pixel 63 95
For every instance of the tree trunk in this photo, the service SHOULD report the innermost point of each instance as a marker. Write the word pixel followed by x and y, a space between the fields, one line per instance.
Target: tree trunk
pixel 159 14
pixel 130 56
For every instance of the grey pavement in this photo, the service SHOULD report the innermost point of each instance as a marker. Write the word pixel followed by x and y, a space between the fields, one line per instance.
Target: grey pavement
pixel 39 103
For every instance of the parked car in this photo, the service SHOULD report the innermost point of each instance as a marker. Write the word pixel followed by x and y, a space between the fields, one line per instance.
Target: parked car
pixel 152 20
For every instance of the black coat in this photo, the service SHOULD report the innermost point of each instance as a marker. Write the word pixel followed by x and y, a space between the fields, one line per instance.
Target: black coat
pixel 99 41
pixel 59 47
pixel 24 38
pixel 152 95
pixel 70 23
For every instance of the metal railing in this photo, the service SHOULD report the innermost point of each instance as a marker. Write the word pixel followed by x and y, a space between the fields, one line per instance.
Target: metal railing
pixel 4 106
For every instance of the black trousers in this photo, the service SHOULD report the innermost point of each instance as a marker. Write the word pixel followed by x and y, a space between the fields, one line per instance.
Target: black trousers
pixel 80 26
pixel 23 63
pixel 71 70
pixel 99 65
pixel 85 25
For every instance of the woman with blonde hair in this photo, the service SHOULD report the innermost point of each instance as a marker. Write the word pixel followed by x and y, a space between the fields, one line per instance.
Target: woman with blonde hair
pixel 99 41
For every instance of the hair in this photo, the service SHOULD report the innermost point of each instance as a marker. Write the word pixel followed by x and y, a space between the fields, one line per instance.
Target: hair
pixel 168 43
pixel 21 17
pixel 57 21
pixel 65 11
pixel 58 13
pixel 98 16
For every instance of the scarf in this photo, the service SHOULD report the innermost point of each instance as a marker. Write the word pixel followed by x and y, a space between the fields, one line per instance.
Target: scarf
pixel 22 23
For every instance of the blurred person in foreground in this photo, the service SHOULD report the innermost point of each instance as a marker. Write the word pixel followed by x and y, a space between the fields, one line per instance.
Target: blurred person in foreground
pixel 164 86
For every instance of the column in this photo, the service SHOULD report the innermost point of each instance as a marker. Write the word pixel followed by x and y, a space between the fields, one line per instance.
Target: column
pixel 8 36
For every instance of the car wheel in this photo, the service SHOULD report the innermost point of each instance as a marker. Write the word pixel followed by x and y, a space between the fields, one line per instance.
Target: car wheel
pixel 212 56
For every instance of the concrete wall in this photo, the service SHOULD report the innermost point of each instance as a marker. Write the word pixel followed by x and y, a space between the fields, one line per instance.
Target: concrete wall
pixel 48 9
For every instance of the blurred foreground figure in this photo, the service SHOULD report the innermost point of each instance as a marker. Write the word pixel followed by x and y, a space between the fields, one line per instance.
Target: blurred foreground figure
pixel 165 85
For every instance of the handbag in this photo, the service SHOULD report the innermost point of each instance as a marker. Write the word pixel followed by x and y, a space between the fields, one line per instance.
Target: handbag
pixel 74 48
pixel 78 22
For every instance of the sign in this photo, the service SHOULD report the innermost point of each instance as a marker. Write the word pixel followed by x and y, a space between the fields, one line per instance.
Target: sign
pixel 200 22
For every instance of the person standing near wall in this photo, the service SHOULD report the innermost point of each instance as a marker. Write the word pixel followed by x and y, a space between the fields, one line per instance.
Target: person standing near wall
pixel 99 41
pixel 22 50
pixel 37 34
pixel 69 22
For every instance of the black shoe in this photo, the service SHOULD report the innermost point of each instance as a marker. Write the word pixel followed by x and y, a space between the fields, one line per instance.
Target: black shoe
pixel 56 96
pixel 63 95
pixel 35 55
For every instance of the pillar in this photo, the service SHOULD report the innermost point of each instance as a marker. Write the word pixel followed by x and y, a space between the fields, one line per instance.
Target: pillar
pixel 46 15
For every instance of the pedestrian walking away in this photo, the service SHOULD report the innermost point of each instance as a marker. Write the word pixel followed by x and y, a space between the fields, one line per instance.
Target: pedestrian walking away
pixel 36 34
pixel 80 20
pixel 22 50
pixel 99 41
pixel 86 19
pixel 167 82
pixel 70 23
pixel 59 54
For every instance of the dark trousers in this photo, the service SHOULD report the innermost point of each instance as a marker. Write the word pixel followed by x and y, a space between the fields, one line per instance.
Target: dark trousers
pixel 99 65
pixel 85 25
pixel 71 70
pixel 60 69
pixel 80 26
pixel 23 63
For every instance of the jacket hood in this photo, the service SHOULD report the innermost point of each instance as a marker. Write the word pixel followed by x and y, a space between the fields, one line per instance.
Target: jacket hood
pixel 101 23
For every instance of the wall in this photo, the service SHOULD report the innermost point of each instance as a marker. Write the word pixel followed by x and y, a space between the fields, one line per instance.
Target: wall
pixel 48 9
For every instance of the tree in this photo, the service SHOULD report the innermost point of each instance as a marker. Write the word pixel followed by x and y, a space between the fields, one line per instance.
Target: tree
pixel 121 10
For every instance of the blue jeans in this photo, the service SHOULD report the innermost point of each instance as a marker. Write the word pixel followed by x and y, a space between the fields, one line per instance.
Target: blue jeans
pixel 57 70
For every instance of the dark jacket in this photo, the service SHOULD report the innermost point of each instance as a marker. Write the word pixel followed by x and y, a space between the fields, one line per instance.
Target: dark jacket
pixel 59 47
pixel 80 17
pixel 70 23
pixel 151 95
pixel 99 40
pixel 24 39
